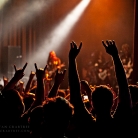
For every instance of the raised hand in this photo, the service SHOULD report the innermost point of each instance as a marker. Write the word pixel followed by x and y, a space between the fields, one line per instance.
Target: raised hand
pixel 32 74
pixel 21 85
pixel 20 72
pixel 59 76
pixel 5 80
pixel 17 76
pixel 74 50
pixel 125 102
pixel 110 47
pixel 29 83
pixel 40 73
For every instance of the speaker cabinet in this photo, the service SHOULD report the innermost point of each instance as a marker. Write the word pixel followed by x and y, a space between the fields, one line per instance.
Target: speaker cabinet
pixel 10 55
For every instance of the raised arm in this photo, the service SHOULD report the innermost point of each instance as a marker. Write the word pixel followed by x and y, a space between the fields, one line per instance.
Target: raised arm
pixel 40 75
pixel 39 95
pixel 17 76
pixel 28 85
pixel 124 94
pixel 5 81
pixel 21 87
pixel 74 80
pixel 58 80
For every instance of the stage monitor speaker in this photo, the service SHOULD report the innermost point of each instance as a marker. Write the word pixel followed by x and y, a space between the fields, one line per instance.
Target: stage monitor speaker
pixel 10 55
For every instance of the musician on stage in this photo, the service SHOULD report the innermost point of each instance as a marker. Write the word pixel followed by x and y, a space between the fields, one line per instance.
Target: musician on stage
pixel 53 63
pixel 125 54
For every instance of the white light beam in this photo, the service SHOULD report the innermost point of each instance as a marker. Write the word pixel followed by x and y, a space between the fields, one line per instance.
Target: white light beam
pixel 59 34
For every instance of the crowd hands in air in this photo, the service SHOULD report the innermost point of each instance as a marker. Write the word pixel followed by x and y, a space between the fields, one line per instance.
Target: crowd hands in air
pixel 83 111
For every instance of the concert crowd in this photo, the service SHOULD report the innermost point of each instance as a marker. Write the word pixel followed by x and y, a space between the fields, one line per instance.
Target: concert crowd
pixel 86 109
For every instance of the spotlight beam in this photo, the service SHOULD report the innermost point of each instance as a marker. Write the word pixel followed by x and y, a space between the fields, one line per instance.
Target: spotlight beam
pixel 2 3
pixel 59 34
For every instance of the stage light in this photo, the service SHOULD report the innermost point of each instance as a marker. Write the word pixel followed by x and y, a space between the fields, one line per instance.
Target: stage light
pixel 58 34
pixel 2 3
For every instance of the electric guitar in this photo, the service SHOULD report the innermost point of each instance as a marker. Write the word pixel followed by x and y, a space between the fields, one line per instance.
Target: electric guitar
pixel 52 72
pixel 102 75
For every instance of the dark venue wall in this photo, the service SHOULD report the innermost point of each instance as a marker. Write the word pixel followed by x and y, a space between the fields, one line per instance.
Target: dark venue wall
pixel 11 55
